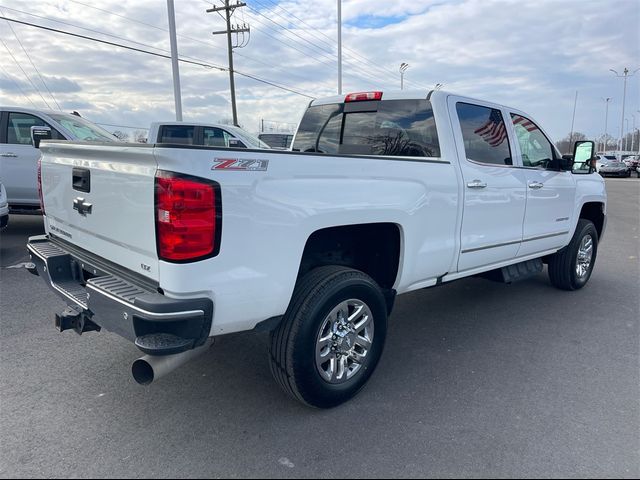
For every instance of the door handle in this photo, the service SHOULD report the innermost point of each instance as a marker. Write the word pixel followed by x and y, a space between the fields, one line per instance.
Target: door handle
pixel 477 184
pixel 9 155
pixel 536 185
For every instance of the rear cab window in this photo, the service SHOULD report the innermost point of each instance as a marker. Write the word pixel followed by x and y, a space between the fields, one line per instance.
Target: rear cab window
pixel 178 134
pixel 396 128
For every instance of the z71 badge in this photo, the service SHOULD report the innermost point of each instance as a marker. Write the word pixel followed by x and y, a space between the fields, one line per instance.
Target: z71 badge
pixel 241 165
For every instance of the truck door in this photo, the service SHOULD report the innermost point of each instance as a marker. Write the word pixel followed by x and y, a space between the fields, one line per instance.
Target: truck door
pixel 550 192
pixel 494 191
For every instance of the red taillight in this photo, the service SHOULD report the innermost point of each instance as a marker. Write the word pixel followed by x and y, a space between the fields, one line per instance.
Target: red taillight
pixel 40 185
pixel 363 96
pixel 188 217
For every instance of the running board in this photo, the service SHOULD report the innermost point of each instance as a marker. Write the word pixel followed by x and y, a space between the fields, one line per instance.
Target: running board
pixel 515 272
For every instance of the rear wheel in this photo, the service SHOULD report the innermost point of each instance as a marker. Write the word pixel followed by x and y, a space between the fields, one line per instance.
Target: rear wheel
pixel 571 267
pixel 331 337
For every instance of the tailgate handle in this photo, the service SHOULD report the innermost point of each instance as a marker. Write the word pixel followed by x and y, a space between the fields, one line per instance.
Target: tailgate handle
pixel 82 180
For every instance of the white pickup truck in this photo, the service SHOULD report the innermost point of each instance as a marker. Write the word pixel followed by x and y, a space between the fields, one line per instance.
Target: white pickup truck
pixel 383 194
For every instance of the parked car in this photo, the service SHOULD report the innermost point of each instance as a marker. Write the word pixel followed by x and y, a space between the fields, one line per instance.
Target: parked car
pixel 204 134
pixel 18 157
pixel 615 169
pixel 4 207
pixel 603 160
pixel 383 194
pixel 631 162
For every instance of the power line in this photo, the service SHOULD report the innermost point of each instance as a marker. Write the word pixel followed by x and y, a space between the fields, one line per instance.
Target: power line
pixel 18 86
pixel 354 54
pixel 25 73
pixel 32 64
pixel 192 62
pixel 330 62
pixel 269 82
pixel 121 126
pixel 85 28
pixel 325 54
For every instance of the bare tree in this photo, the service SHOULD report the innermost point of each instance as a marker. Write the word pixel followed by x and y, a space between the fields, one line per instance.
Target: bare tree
pixel 566 144
pixel 122 136
pixel 140 136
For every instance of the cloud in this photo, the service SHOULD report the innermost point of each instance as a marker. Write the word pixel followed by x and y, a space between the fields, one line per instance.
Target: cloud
pixel 533 55
pixel 62 85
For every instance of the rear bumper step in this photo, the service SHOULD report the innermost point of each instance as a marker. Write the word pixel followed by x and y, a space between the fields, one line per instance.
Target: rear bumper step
pixel 158 325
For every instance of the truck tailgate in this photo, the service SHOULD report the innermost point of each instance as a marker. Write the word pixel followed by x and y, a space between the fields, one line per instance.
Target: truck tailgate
pixel 101 198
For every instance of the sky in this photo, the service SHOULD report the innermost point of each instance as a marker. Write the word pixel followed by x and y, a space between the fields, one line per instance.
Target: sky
pixel 532 55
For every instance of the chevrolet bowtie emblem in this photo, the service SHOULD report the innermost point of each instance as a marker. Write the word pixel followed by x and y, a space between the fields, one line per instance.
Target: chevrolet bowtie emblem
pixel 81 206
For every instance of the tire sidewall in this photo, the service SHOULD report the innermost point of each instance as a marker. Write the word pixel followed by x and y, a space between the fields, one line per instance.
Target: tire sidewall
pixel 312 386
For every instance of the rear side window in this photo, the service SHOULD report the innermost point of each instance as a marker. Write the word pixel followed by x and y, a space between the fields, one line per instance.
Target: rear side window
pixel 19 128
pixel 484 134
pixel 312 124
pixel 389 128
pixel 180 134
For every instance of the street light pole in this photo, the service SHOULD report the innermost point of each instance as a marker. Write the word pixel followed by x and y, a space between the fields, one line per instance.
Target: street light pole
pixel 573 119
pixel 626 139
pixel 633 133
pixel 625 75
pixel 174 60
pixel 403 68
pixel 606 119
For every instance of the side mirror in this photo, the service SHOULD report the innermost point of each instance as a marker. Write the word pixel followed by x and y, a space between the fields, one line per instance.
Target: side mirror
pixel 38 134
pixel 235 143
pixel 583 151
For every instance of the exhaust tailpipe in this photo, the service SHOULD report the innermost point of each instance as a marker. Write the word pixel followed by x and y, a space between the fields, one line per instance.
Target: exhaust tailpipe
pixel 150 368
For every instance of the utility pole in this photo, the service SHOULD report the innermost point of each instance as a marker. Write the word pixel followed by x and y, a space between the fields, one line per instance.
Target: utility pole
pixel 174 60
pixel 339 47
pixel 228 12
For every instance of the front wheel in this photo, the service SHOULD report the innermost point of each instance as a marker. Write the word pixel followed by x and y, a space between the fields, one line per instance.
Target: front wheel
pixel 571 267
pixel 331 338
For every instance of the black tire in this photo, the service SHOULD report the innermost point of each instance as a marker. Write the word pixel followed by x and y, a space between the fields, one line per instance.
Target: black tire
pixel 562 264
pixel 293 343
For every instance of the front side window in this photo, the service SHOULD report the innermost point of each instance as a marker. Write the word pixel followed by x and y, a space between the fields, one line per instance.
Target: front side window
pixel 215 137
pixel 484 134
pixel 388 128
pixel 82 129
pixel 536 150
pixel 19 131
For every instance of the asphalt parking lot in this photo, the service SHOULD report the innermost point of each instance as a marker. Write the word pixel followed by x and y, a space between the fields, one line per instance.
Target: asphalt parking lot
pixel 478 379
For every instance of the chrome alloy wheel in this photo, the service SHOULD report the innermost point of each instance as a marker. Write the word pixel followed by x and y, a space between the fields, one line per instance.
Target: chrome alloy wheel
pixel 344 341
pixel 585 255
